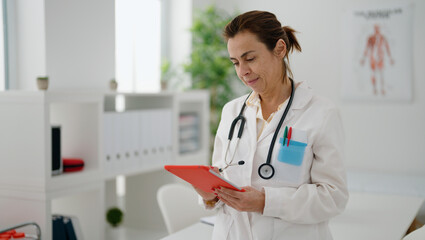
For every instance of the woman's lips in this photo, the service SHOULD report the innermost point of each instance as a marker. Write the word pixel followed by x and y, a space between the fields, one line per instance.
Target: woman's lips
pixel 252 82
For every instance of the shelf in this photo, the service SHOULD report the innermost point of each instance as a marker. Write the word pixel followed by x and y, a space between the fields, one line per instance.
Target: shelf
pixel 58 186
pixel 28 191
pixel 132 172
pixel 73 180
pixel 86 203
pixel 133 94
pixel 135 101
pixel 21 97
pixel 14 96
pixel 73 97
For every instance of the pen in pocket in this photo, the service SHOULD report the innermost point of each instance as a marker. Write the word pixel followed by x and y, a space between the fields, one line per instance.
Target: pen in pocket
pixel 289 135
pixel 285 133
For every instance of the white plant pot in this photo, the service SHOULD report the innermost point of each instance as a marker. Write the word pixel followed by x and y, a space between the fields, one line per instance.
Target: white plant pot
pixel 42 84
pixel 113 86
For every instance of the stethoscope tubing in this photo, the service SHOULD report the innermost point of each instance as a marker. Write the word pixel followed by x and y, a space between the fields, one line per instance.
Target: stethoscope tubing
pixel 241 118
pixel 267 167
pixel 282 119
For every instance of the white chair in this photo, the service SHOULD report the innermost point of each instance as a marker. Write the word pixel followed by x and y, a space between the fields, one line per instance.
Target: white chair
pixel 179 206
pixel 418 234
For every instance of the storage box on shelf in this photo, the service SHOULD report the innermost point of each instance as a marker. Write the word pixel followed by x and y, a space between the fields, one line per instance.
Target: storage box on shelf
pixel 189 133
pixel 193 144
pixel 143 131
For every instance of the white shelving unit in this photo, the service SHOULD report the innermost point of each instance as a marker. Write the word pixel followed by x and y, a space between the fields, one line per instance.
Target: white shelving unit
pixel 28 191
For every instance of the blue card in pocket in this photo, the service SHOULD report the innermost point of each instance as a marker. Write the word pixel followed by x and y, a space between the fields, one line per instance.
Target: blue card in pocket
pixel 292 154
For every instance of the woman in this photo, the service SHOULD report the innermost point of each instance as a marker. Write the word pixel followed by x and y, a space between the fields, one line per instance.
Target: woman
pixel 305 185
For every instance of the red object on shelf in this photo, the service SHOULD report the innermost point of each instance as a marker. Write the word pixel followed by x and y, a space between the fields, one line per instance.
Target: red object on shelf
pixel 18 235
pixel 7 235
pixel 72 164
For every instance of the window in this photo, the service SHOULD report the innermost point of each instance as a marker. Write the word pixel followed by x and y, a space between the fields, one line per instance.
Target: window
pixel 138 45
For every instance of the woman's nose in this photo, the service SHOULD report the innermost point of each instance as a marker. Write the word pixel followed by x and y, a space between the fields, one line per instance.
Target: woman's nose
pixel 244 69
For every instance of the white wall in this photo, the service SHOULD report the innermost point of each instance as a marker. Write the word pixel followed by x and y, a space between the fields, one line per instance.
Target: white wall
pixel 80 43
pixel 380 137
pixel 2 53
pixel 73 42
pixel 30 43
pixel 180 39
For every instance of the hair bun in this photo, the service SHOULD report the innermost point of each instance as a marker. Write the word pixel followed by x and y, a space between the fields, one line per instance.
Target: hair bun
pixel 293 42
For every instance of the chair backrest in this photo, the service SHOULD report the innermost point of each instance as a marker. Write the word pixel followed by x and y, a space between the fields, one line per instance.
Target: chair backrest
pixel 179 206
pixel 418 234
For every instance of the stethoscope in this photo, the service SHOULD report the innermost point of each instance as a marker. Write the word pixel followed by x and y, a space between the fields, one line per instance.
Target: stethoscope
pixel 266 170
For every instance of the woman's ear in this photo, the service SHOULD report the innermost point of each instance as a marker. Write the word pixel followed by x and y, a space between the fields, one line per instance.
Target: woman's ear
pixel 280 48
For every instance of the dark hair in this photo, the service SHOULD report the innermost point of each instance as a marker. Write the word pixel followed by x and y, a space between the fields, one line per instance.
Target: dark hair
pixel 268 31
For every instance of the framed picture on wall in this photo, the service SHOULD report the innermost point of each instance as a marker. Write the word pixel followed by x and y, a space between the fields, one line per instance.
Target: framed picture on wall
pixel 377 52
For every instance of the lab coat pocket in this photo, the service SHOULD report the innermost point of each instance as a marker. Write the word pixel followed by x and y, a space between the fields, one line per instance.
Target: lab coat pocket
pixel 291 162
pixel 292 154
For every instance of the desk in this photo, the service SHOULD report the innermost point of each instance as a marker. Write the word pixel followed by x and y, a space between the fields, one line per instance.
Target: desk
pixel 367 216
pixel 375 216
pixel 194 232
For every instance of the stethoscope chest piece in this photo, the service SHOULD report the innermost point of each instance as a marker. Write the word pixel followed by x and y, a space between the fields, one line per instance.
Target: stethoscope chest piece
pixel 266 171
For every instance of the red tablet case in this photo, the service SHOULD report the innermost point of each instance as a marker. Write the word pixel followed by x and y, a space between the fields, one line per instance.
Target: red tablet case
pixel 200 176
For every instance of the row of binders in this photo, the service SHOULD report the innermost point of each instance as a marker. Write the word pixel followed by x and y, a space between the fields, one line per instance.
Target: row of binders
pixel 135 140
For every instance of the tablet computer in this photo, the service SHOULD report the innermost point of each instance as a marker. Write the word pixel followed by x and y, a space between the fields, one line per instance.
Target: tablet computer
pixel 202 177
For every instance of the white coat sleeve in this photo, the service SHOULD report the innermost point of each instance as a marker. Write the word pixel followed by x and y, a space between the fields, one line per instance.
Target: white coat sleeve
pixel 327 194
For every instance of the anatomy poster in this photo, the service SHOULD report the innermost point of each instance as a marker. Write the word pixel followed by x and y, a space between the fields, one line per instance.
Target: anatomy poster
pixel 377 53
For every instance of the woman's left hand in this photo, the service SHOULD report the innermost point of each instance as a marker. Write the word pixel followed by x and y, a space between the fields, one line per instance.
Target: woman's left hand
pixel 251 200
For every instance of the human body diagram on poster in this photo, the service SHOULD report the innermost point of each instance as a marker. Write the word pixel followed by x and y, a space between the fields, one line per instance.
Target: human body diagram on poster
pixel 376 50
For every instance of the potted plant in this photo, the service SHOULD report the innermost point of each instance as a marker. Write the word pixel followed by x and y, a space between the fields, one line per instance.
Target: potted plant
pixel 113 84
pixel 114 216
pixel 43 82
pixel 165 74
pixel 210 67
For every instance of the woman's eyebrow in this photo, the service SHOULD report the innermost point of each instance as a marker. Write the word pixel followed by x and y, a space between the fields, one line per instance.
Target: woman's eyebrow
pixel 243 55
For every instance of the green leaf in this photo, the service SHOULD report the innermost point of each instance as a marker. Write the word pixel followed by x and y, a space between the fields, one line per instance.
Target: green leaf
pixel 209 66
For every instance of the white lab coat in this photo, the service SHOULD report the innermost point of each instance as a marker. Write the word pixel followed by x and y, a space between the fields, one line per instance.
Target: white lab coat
pixel 299 199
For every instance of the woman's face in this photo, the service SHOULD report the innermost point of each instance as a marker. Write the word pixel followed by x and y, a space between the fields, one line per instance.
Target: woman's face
pixel 257 67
